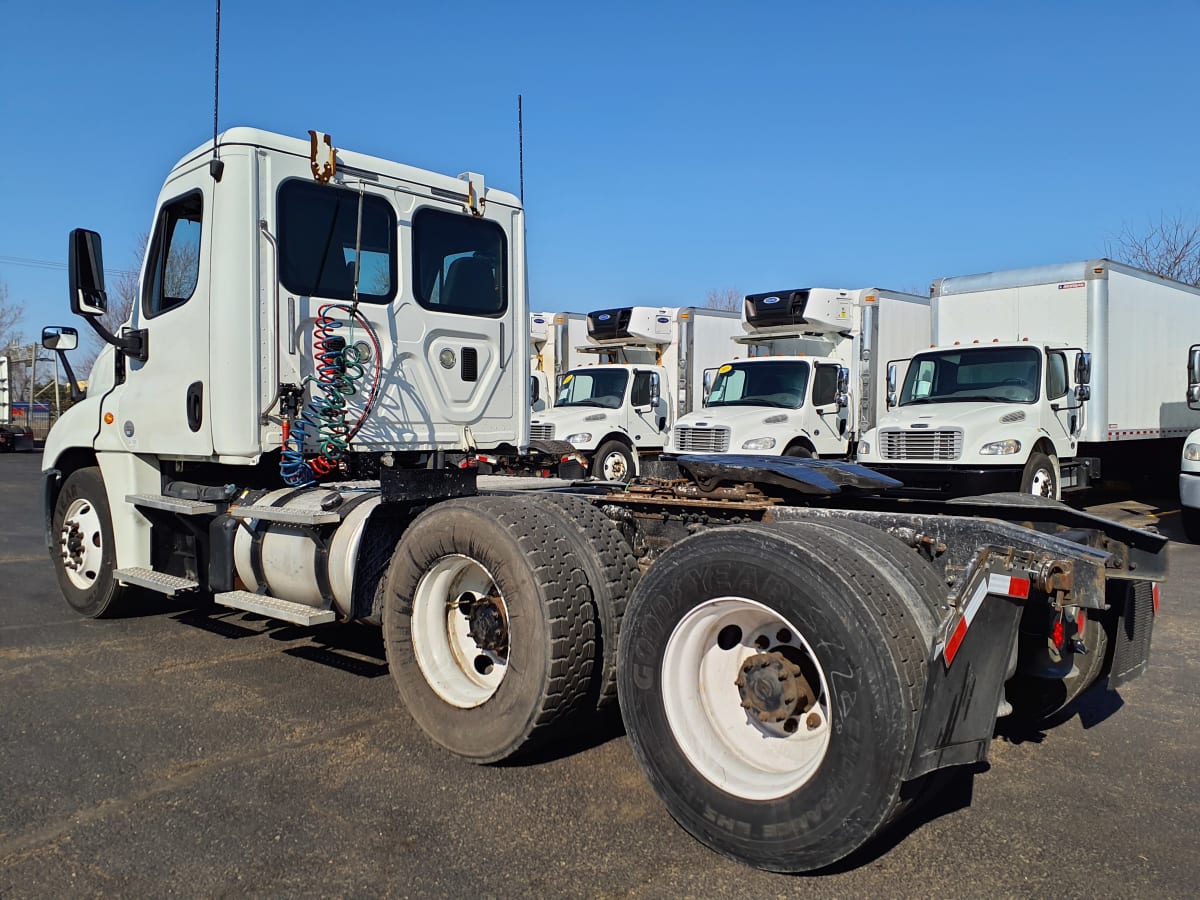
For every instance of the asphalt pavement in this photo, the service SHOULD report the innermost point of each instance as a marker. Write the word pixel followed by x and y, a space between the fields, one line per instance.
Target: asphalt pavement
pixel 205 753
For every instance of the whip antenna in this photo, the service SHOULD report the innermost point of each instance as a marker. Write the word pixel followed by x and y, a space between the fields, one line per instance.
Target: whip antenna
pixel 521 147
pixel 215 166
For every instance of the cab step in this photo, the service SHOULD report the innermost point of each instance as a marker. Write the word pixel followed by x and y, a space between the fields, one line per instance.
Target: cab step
pixel 138 576
pixel 274 608
pixel 173 504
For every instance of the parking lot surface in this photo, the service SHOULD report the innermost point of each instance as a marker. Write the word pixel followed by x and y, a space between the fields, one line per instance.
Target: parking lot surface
pixel 205 752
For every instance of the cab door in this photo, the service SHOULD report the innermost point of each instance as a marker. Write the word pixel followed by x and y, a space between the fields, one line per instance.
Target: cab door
pixel 829 432
pixel 163 405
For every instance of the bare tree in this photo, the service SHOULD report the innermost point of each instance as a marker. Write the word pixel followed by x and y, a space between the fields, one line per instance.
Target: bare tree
pixel 1170 248
pixel 10 343
pixel 724 298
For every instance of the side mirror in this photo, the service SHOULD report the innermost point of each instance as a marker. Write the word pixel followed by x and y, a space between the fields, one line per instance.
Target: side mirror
pixel 1083 368
pixel 1193 375
pixel 1083 392
pixel 891 385
pixel 710 376
pixel 86 272
pixel 535 393
pixel 655 389
pixel 60 337
pixel 843 387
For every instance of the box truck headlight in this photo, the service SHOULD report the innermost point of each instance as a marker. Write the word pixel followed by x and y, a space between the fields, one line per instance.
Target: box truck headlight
pixel 759 443
pixel 1191 452
pixel 864 448
pixel 1001 448
pixel 581 438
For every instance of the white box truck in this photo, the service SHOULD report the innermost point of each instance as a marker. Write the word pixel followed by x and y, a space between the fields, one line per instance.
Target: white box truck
pixel 1040 380
pixel 1189 468
pixel 811 383
pixel 647 374
pixel 552 339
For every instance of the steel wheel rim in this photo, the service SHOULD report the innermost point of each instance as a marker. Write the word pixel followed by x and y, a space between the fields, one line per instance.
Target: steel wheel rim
pixel 722 740
pixel 1043 483
pixel 454 665
pixel 81 543
pixel 615 467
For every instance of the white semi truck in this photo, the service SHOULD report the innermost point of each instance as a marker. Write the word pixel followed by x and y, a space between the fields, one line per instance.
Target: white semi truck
pixel 812 380
pixel 323 338
pixel 553 339
pixel 1042 380
pixel 648 372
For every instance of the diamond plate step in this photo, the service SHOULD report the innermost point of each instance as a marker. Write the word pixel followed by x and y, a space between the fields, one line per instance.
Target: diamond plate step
pixel 273 607
pixel 290 516
pixel 154 581
pixel 172 504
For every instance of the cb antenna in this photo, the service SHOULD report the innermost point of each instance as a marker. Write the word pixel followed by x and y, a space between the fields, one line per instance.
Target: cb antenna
pixel 215 166
pixel 520 145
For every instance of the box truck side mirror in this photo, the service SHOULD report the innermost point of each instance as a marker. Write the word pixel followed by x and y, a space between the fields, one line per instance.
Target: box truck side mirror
pixel 843 387
pixel 534 393
pixel 1083 368
pixel 1193 375
pixel 891 385
pixel 710 375
pixel 60 337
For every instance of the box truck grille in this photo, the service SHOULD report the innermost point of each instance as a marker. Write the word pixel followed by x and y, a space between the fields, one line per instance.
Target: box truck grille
pixel 541 432
pixel 913 444
pixel 690 439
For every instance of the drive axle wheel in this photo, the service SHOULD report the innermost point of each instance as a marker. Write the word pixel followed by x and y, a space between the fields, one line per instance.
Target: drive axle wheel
pixel 489 626
pixel 83 553
pixel 771 682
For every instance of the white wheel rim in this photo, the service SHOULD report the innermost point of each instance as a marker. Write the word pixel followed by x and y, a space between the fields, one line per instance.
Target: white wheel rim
pixel 723 741
pixel 455 666
pixel 81 543
pixel 1043 483
pixel 615 467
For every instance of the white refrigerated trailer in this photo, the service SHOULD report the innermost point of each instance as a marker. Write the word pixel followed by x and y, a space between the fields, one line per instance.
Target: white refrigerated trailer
pixel 1042 379
pixel 553 337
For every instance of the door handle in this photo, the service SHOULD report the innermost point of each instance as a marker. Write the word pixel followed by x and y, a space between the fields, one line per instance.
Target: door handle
pixel 195 405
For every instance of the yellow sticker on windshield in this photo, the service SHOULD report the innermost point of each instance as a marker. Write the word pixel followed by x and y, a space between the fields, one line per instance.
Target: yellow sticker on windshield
pixel 725 368
pixel 567 380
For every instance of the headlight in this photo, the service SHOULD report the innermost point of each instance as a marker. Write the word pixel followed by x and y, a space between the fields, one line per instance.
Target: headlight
pixel 582 438
pixel 1001 448
pixel 864 448
pixel 759 443
pixel 1192 452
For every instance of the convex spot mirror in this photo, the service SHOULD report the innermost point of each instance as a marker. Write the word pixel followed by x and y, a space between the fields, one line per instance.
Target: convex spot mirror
pixel 60 338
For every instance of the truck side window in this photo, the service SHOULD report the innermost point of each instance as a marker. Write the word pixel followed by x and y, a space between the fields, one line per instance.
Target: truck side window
pixel 639 395
pixel 174 266
pixel 825 385
pixel 318 233
pixel 1056 376
pixel 460 263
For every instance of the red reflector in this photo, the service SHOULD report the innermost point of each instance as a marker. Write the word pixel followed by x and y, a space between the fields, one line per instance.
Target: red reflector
pixel 1058 635
pixel 1080 621
pixel 952 645
pixel 1018 587
pixel 1154 593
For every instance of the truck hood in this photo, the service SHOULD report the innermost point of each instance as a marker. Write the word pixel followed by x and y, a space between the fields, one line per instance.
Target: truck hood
pixel 959 415
pixel 741 418
pixel 579 419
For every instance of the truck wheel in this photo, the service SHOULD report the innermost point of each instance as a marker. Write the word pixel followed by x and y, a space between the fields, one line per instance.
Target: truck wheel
pixel 613 462
pixel 799 451
pixel 611 571
pixel 1191 523
pixel 84 554
pixel 1041 476
pixel 488 626
pixel 771 682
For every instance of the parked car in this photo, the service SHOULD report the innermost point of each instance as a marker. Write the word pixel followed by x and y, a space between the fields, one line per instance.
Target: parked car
pixel 15 437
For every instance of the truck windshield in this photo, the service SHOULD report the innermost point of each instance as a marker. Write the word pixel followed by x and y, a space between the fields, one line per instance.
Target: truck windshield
pixel 780 383
pixel 990 374
pixel 593 387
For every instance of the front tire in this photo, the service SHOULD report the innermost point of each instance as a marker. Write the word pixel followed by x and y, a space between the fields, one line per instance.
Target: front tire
pixel 488 626
pixel 84 554
pixel 796 768
pixel 613 462
pixel 1040 477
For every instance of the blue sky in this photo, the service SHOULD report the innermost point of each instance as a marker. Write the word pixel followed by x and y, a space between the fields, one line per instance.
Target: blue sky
pixel 670 148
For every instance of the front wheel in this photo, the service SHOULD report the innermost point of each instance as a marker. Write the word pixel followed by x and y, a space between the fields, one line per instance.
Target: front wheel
pixel 84 555
pixel 1040 477
pixel 771 682
pixel 613 462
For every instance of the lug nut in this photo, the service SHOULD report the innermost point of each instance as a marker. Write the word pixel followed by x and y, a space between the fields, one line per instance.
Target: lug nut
pixel 813 721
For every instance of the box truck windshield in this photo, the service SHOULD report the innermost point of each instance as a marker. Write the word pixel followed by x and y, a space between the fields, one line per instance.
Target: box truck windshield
pixel 781 384
pixel 605 389
pixel 988 374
